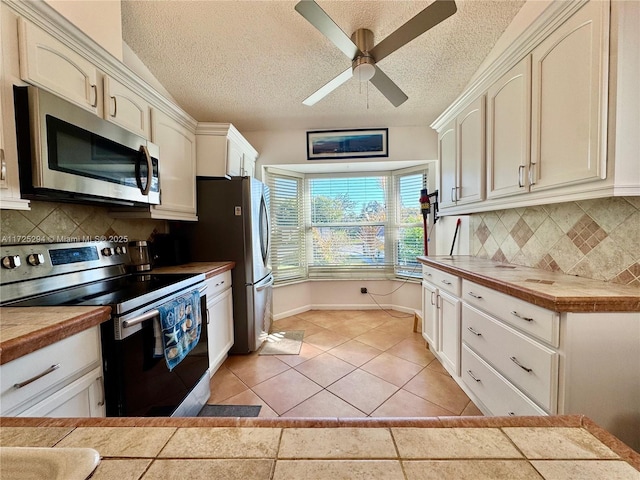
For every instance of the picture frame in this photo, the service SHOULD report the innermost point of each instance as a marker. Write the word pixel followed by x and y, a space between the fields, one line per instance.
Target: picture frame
pixel 354 143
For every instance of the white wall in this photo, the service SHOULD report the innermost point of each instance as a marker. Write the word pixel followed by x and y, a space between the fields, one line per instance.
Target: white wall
pixel 288 147
pixel 99 19
pixel 345 295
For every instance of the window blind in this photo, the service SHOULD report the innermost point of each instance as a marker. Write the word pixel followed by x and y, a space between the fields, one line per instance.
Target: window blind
pixel 409 225
pixel 288 256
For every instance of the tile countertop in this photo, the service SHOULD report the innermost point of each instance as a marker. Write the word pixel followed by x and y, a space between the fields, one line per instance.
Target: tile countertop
pixel 210 269
pixel 561 447
pixel 552 290
pixel 26 329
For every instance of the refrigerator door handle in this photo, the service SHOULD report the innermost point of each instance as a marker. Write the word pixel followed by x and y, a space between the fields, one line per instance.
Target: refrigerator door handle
pixel 268 284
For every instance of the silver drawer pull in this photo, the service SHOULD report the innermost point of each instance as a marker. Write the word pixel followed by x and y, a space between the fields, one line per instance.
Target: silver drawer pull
pixel 220 283
pixel 473 376
pixel 101 382
pixel 429 275
pixel 446 282
pixel 33 379
pixel 477 334
pixel 526 319
pixel 511 414
pixel 515 360
pixel 471 294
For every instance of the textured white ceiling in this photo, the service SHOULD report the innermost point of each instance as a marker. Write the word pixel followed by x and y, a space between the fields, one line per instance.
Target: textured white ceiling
pixel 252 63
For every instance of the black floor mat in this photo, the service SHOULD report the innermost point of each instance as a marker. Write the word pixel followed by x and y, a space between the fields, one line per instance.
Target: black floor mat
pixel 230 411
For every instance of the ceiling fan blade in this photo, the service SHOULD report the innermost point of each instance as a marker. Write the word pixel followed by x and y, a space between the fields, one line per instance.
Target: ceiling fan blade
pixel 388 88
pixel 328 88
pixel 319 19
pixel 423 21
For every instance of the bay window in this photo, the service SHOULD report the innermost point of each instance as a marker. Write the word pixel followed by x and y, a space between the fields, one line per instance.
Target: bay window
pixel 364 225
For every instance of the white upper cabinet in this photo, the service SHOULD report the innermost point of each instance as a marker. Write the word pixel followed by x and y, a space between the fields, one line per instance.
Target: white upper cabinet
pixel 560 118
pixel 9 71
pixel 508 131
pixel 461 149
pixel 223 151
pixel 471 153
pixel 177 168
pixel 569 101
pixel 52 65
pixel 448 162
pixel 124 107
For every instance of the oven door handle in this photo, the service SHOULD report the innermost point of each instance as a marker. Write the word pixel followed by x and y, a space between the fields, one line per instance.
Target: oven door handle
pixel 150 314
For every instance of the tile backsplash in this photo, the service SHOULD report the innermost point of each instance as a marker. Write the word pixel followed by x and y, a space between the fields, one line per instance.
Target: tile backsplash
pixel 597 238
pixel 68 222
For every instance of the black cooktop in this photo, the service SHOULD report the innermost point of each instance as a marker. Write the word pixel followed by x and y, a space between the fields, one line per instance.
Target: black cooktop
pixel 111 292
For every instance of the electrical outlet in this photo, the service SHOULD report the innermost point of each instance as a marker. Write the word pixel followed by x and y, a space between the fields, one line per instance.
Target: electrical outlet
pixel 363 290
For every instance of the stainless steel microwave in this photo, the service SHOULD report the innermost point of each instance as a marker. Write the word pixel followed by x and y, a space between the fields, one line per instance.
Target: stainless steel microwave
pixel 68 153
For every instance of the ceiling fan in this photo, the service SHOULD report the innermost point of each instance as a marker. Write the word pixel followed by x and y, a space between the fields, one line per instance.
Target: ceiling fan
pixel 361 51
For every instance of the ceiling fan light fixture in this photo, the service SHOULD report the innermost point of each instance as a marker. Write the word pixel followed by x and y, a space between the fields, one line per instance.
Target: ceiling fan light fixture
pixel 364 68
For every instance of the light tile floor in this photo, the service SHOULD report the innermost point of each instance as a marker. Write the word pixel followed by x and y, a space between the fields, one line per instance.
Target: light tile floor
pixel 353 363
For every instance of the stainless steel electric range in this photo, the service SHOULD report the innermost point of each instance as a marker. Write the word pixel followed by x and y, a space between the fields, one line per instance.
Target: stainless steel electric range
pixel 137 382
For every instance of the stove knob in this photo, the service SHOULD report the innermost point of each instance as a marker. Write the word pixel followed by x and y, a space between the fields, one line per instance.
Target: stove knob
pixel 11 261
pixel 107 252
pixel 35 259
pixel 121 250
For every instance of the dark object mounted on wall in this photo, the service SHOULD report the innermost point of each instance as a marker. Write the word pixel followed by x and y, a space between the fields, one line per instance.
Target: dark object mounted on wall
pixel 359 143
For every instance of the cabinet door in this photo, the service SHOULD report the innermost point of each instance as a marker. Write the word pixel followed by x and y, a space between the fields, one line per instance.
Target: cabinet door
pixel 82 398
pixel 471 153
pixel 50 64
pixel 569 101
pixel 177 168
pixel 219 328
pixel 447 152
pixel 449 319
pixel 508 127
pixel 126 108
pixel 430 315
pixel 234 159
pixel 248 165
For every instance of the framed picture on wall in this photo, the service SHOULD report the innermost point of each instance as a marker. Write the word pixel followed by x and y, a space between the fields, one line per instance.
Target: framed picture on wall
pixel 359 143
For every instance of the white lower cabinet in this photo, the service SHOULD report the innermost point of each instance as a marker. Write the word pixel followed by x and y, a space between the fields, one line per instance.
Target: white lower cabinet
pixel 219 319
pixel 441 316
pixel 63 379
pixel 449 317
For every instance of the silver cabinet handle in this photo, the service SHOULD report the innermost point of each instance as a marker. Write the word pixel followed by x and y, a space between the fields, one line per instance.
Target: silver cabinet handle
pixel 52 368
pixel 471 294
pixel 520 170
pixel 95 96
pixel 3 168
pixel 526 319
pixel 432 294
pixel 219 283
pixel 429 275
pixel 531 169
pixel 515 360
pixel 476 333
pixel 101 382
pixel 446 282
pixel 511 414
pixel 470 373
pixel 208 316
pixel 438 301
pixel 452 196
pixel 115 106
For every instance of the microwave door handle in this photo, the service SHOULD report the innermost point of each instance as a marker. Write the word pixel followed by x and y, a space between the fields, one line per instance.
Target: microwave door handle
pixel 147 187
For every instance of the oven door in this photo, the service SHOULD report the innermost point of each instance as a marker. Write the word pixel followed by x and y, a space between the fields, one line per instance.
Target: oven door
pixel 137 384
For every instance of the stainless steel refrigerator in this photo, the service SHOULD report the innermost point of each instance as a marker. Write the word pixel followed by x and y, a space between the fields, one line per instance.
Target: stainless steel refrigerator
pixel 233 224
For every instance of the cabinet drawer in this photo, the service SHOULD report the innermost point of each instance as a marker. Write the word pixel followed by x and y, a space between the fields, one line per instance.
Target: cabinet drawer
pixel 218 284
pixel 536 321
pixel 442 280
pixel 493 390
pixel 74 354
pixel 527 364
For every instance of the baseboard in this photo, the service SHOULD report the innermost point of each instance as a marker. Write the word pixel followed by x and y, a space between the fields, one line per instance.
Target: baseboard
pixel 325 306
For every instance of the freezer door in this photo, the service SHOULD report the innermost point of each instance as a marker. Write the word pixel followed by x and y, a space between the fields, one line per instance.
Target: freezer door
pixel 262 292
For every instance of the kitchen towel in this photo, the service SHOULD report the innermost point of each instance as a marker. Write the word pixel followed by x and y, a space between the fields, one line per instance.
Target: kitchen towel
pixel 177 328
